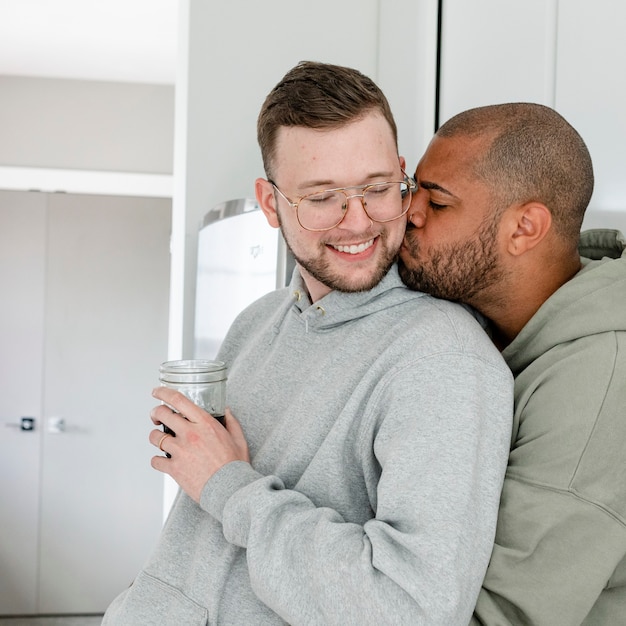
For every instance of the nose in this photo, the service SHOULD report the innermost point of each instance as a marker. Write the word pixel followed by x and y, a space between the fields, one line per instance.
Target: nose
pixel 355 216
pixel 416 214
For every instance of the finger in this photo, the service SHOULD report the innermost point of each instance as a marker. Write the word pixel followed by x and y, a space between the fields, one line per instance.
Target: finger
pixel 163 415
pixel 159 412
pixel 161 464
pixel 180 403
pixel 157 437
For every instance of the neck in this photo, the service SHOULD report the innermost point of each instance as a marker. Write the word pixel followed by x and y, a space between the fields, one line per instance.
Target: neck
pixel 518 303
pixel 317 290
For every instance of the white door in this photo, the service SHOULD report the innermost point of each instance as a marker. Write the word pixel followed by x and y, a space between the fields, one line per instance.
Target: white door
pixel 104 334
pixel 22 259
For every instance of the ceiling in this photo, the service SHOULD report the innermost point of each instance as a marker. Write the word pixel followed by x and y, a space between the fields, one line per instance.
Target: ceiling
pixel 111 40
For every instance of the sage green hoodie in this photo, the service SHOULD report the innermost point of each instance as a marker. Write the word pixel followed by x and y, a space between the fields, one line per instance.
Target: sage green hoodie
pixel 560 552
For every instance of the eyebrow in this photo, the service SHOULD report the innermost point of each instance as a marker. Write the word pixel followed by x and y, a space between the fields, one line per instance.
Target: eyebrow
pixel 434 186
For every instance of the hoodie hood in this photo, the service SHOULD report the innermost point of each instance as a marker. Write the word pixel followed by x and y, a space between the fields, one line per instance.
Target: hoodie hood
pixel 592 302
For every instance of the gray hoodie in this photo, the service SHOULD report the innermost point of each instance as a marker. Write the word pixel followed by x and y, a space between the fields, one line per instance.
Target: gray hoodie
pixel 378 425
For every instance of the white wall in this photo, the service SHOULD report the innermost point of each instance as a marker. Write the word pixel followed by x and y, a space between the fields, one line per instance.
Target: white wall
pixel 86 125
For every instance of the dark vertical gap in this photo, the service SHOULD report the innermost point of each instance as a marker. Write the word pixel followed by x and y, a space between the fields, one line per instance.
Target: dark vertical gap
pixel 438 71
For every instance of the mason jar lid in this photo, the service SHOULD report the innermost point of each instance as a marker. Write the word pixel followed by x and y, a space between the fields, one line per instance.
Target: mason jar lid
pixel 192 371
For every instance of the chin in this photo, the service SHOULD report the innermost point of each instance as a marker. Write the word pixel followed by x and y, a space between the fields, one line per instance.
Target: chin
pixel 364 283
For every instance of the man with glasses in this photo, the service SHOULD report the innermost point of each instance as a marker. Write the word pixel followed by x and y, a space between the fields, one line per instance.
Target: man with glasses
pixel 360 482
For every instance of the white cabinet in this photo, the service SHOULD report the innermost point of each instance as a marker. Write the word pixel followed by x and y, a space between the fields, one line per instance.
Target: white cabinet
pixel 567 54
pixel 495 51
pixel 83 327
pixel 591 90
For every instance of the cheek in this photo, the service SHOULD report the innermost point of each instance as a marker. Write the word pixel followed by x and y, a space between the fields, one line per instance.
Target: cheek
pixel 303 244
pixel 439 228
pixel 396 232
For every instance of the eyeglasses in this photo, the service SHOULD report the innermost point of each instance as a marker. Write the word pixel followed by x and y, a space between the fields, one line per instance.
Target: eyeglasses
pixel 323 210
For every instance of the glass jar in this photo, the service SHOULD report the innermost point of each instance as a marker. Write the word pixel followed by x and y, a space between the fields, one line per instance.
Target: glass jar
pixel 202 381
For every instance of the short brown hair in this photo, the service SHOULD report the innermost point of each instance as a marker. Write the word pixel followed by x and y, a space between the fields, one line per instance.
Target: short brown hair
pixel 534 154
pixel 320 96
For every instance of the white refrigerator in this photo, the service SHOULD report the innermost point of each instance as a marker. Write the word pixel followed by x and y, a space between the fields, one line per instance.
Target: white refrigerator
pixel 240 258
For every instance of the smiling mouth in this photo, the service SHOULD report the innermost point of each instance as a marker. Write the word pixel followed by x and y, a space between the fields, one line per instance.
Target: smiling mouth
pixel 354 248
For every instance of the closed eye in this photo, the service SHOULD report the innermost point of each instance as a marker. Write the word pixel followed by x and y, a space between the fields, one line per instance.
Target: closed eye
pixel 436 207
pixel 321 198
pixel 381 189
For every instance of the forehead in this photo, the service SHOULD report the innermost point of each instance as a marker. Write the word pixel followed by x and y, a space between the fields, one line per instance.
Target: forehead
pixel 452 157
pixel 352 152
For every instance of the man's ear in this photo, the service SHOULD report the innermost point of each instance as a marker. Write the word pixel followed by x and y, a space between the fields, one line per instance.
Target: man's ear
pixel 528 225
pixel 266 197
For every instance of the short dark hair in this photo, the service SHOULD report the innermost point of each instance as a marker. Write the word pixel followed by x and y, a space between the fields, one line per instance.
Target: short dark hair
pixel 534 154
pixel 320 96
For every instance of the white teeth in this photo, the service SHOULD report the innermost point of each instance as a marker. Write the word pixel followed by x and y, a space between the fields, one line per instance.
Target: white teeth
pixel 355 249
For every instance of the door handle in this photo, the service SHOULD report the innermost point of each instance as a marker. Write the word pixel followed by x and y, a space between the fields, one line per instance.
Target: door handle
pixel 56 425
pixel 25 423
